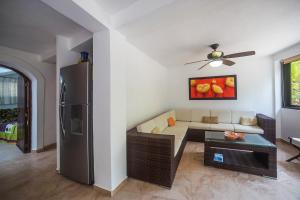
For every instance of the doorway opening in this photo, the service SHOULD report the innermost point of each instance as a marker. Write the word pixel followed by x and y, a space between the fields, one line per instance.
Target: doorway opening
pixel 15 111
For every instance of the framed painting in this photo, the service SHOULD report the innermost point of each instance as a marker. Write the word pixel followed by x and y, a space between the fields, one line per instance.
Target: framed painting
pixel 213 88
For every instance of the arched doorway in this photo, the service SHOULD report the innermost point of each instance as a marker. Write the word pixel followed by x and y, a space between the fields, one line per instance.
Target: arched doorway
pixel 15 108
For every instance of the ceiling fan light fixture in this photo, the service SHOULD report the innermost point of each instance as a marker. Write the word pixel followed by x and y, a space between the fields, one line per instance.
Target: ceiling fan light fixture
pixel 216 54
pixel 216 63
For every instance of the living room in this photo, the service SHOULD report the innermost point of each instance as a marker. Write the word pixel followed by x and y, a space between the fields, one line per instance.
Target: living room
pixel 139 50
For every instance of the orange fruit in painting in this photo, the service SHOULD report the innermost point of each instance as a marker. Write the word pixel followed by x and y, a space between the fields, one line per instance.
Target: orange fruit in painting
pixel 193 82
pixel 203 88
pixel 229 81
pixel 217 89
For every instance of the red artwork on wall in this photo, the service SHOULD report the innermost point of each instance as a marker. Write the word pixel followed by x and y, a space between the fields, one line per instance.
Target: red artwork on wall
pixel 213 88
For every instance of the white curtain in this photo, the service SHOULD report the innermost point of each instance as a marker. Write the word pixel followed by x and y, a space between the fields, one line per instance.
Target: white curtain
pixel 8 90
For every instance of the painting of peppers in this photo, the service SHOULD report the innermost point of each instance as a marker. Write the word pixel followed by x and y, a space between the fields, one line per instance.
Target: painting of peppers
pixel 213 88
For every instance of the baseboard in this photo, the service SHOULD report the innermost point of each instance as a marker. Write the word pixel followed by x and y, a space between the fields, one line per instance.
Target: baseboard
pixel 119 187
pixel 110 193
pixel 45 148
pixel 282 140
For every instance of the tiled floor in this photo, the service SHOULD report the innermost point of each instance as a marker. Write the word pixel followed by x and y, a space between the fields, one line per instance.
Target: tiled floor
pixel 9 152
pixel 33 176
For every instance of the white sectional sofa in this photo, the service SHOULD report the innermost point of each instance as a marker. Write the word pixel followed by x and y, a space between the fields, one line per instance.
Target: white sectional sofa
pixel 228 120
pixel 154 149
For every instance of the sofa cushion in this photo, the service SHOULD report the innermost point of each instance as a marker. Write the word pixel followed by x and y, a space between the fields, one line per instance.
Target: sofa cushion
pixel 181 123
pixel 198 114
pixel 236 115
pixel 248 129
pixel 172 114
pixel 178 131
pixel 146 127
pixel 224 116
pixel 156 130
pixel 161 121
pixel 183 115
pixel 177 144
pixel 221 127
pixel 199 125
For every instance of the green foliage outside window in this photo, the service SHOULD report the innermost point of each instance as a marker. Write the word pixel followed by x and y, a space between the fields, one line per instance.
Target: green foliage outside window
pixel 295 83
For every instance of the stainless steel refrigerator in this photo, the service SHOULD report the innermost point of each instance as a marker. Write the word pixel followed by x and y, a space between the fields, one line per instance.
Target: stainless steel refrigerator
pixel 76 136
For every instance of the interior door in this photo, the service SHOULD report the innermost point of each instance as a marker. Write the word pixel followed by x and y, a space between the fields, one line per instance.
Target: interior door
pixel 24 108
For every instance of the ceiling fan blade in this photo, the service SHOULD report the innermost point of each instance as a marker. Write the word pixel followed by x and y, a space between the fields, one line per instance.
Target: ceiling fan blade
pixel 204 65
pixel 195 62
pixel 241 54
pixel 228 62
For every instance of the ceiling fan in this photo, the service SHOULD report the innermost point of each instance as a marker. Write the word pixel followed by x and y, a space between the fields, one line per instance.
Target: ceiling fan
pixel 217 58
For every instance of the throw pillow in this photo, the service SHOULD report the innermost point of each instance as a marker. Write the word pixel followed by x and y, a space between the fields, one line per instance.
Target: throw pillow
pixel 155 130
pixel 248 121
pixel 210 120
pixel 214 120
pixel 206 119
pixel 171 121
pixel 172 114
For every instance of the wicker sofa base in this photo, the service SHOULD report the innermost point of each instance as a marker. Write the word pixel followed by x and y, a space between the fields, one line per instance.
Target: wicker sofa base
pixel 150 157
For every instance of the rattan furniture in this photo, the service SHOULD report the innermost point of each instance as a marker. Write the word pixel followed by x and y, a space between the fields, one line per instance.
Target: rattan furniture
pixel 155 157
pixel 253 155
pixel 292 139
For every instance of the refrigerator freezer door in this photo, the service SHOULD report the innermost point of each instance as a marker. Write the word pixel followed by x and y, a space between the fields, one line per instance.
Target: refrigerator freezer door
pixel 74 81
pixel 74 153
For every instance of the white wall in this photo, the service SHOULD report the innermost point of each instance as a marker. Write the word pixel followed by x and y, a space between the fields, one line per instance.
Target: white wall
pixel 118 65
pixel 254 86
pixel 287 120
pixel 102 110
pixel 147 87
pixel 127 88
pixel 42 76
pixel 290 126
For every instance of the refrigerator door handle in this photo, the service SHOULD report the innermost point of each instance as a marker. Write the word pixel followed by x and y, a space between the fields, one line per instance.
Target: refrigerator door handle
pixel 61 114
pixel 62 93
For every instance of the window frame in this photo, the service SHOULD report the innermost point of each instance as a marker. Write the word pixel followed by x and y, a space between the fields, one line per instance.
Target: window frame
pixel 286 86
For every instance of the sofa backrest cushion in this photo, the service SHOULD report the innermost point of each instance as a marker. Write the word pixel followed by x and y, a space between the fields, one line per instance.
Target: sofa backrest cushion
pixel 198 114
pixel 236 115
pixel 146 127
pixel 183 115
pixel 172 114
pixel 224 116
pixel 161 122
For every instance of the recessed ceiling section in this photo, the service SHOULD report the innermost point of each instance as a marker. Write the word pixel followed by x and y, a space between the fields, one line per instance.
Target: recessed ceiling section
pixel 174 32
pixel 32 26
pixel 114 6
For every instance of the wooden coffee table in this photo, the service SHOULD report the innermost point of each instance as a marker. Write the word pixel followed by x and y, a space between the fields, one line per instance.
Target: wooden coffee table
pixel 253 155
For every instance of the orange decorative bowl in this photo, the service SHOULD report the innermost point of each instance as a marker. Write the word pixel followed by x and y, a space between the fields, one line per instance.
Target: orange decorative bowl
pixel 230 135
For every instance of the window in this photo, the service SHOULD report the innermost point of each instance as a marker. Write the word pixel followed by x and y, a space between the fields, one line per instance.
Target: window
pixel 291 84
pixel 8 90
pixel 295 83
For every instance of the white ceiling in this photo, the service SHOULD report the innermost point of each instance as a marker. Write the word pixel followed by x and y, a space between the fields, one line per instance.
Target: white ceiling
pixel 32 26
pixel 114 6
pixel 176 31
